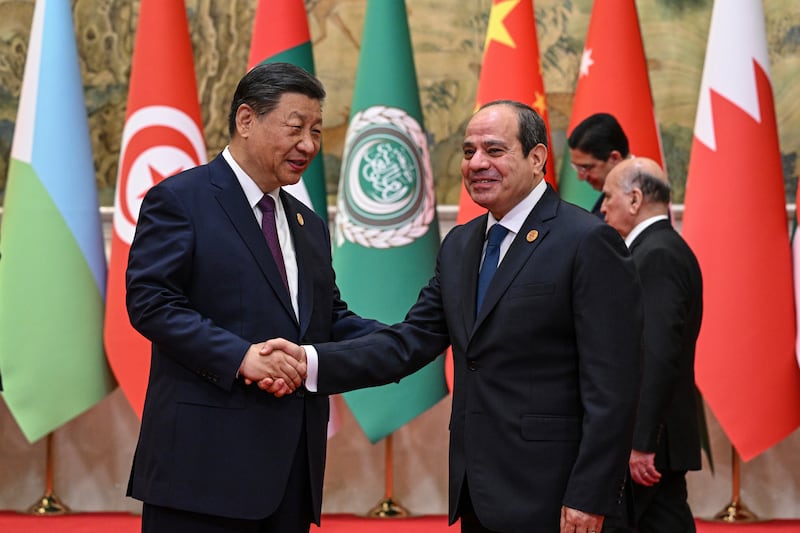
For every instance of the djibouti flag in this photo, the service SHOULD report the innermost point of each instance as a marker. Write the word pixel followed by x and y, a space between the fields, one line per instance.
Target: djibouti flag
pixel 52 261
pixel 386 232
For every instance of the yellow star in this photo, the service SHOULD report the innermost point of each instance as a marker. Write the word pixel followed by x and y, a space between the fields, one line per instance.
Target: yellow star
pixel 497 30
pixel 539 103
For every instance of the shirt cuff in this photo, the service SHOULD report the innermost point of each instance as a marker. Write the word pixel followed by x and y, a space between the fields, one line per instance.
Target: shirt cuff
pixel 312 366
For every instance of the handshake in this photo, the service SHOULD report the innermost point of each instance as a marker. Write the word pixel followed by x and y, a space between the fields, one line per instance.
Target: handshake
pixel 276 366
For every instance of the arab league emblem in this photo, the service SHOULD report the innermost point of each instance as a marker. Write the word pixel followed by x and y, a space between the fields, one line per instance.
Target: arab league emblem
pixel 386 196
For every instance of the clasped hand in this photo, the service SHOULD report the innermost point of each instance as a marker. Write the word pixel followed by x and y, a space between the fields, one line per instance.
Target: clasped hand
pixel 277 366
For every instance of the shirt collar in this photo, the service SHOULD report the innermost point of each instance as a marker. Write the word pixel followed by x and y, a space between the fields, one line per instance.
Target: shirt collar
pixel 252 191
pixel 641 226
pixel 516 217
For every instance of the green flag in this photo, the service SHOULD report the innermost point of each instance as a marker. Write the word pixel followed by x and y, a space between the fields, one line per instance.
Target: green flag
pixel 386 232
pixel 571 188
pixel 53 268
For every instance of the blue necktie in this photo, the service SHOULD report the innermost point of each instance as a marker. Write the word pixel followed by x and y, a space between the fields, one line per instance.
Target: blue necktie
pixel 496 235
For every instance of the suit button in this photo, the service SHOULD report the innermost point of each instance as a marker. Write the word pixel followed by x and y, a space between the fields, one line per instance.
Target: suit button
pixel 472 365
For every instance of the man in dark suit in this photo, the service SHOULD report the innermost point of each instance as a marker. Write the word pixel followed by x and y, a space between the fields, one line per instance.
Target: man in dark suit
pixel 215 452
pixel 666 438
pixel 596 145
pixel 545 368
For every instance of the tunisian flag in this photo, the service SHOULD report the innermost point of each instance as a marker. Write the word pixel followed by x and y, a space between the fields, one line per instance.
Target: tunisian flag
pixel 735 221
pixel 163 135
pixel 510 71
pixel 612 79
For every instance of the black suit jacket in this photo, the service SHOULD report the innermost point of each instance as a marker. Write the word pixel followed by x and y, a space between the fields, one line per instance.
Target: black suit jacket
pixel 202 286
pixel 672 292
pixel 545 376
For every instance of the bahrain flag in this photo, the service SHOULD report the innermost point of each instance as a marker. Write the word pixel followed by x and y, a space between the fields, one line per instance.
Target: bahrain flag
pixel 735 221
pixel 162 136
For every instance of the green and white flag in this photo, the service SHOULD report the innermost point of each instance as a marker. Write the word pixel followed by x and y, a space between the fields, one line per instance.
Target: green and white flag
pixel 386 231
pixel 53 268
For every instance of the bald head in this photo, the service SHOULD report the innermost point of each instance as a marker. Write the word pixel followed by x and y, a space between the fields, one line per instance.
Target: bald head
pixel 635 189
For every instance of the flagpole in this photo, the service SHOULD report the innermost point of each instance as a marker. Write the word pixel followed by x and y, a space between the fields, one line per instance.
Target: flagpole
pixel 388 508
pixel 49 504
pixel 735 511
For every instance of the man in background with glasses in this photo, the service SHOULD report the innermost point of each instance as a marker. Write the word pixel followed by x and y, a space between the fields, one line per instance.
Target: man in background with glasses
pixel 596 145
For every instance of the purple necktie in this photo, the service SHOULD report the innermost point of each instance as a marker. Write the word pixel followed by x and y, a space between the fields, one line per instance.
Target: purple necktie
pixel 267 206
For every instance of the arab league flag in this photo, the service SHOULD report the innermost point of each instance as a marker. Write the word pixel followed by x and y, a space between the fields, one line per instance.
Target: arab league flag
pixel 387 234
pixel 735 221
pixel 53 267
pixel 612 79
pixel 511 70
pixel 163 135
pixel 280 34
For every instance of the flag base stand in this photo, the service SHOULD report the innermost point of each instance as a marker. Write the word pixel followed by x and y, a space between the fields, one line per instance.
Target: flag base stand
pixel 735 511
pixel 49 504
pixel 388 508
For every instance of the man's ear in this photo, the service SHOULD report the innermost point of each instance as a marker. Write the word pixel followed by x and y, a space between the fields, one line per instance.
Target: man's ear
pixel 636 199
pixel 538 155
pixel 245 118
pixel 614 157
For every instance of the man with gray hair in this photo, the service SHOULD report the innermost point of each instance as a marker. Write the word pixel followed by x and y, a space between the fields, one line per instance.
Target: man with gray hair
pixel 666 443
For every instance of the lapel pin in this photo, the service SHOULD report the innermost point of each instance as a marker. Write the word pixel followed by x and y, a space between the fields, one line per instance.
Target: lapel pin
pixel 300 219
pixel 532 235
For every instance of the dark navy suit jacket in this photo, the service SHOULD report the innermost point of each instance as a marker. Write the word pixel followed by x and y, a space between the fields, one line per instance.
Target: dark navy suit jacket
pixel 202 286
pixel 672 289
pixel 545 376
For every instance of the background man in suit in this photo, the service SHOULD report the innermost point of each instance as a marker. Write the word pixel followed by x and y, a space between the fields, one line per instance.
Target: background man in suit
pixel 216 453
pixel 596 145
pixel 546 367
pixel 666 438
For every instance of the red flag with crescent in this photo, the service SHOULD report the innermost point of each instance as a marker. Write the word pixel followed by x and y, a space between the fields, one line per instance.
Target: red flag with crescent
pixel 163 135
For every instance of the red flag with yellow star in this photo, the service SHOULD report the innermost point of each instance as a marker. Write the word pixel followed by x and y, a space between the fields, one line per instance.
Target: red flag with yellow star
pixel 510 71
pixel 163 135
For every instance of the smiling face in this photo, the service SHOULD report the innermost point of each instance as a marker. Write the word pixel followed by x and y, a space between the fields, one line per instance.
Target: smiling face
pixel 275 148
pixel 496 174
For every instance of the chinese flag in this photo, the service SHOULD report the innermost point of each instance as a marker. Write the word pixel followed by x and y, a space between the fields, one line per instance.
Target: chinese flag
pixel 613 79
pixel 510 71
pixel 162 136
pixel 735 220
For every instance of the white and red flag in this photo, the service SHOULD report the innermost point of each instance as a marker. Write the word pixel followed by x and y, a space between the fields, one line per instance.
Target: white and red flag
pixel 163 135
pixel 735 221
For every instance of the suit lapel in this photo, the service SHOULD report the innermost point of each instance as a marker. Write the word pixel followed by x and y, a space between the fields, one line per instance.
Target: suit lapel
pixel 469 279
pixel 533 231
pixel 233 201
